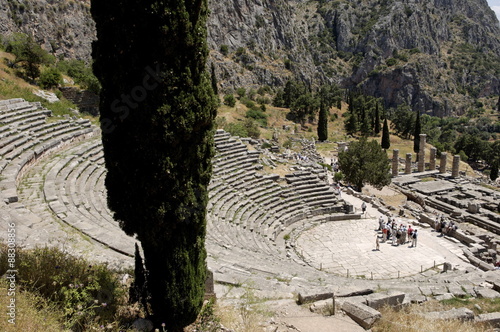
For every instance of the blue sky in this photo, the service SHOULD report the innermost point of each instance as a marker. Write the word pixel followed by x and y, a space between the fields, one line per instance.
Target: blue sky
pixel 495 5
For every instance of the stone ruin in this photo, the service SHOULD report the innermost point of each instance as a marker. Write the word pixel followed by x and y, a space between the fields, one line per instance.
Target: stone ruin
pixel 52 187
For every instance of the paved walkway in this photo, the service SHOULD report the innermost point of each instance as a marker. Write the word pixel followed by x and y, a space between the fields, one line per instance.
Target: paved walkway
pixel 348 248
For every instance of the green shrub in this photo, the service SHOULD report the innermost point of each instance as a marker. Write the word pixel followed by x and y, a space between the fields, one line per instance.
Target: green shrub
pixel 241 92
pixel 229 100
pixel 257 115
pixel 391 62
pixel 338 176
pixel 50 78
pixel 247 128
pixel 84 292
pixel 224 49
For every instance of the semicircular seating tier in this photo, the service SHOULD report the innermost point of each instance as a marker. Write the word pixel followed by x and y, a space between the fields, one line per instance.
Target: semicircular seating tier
pixel 52 186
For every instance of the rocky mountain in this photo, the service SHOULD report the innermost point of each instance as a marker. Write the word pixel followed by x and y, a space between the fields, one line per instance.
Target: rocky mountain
pixel 438 56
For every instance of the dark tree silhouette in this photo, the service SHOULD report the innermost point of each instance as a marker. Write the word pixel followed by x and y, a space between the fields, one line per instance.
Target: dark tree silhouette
pixel 157 112
pixel 416 134
pixel 386 141
pixel 323 122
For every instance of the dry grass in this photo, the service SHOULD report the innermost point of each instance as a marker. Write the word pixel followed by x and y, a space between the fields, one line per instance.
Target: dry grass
pixel 33 313
pixel 411 319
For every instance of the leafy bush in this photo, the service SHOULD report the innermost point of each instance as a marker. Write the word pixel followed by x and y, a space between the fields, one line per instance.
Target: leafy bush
pixel 224 49
pixel 257 115
pixel 229 100
pixel 241 92
pixel 81 73
pixel 50 78
pixel 247 128
pixel 391 62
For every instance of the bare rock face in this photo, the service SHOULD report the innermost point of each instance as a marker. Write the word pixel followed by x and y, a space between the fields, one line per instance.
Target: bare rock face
pixel 437 56
pixel 64 28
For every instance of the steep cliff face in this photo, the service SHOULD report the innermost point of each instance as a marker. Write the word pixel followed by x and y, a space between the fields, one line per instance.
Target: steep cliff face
pixel 62 27
pixel 437 56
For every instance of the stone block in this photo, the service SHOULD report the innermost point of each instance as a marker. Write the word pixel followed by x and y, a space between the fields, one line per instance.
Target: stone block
pixel 378 300
pixel 492 318
pixel 314 297
pixel 463 314
pixel 487 293
pixel 362 314
pixel 323 307
pixel 447 296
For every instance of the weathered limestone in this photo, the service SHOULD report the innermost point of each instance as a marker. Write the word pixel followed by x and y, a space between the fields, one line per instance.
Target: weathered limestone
pixel 395 162
pixel 361 313
pixel 456 166
pixel 314 297
pixel 421 153
pixel 463 314
pixel 432 161
pixel 442 164
pixel 408 164
pixel 378 300
pixel 492 319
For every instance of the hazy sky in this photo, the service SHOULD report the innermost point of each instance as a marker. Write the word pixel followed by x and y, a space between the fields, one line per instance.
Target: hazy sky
pixel 495 5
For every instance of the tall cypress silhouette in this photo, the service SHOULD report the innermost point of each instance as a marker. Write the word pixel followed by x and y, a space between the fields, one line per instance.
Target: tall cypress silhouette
pixel 157 111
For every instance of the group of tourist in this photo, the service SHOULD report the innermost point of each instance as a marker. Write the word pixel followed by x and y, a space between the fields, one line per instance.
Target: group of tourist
pixel 441 225
pixel 398 234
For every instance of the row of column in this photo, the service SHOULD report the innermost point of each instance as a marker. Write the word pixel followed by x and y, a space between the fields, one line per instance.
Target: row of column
pixel 421 160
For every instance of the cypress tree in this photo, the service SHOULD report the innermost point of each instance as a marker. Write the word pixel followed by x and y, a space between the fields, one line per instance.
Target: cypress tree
pixel 157 109
pixel 138 292
pixel 323 122
pixel 416 135
pixel 376 126
pixel 386 141
pixel 214 80
pixel 494 171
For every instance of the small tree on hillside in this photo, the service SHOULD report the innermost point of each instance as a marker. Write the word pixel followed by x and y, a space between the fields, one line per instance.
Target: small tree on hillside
pixel 323 122
pixel 29 55
pixel 386 140
pixel 365 162
pixel 416 135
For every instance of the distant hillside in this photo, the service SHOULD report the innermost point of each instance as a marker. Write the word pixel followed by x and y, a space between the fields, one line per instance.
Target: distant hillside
pixel 437 56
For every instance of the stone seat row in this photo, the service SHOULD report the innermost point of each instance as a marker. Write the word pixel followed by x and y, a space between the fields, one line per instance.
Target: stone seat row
pixel 72 190
pixel 257 204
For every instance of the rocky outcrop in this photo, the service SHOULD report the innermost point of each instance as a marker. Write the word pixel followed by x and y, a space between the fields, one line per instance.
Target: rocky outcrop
pixel 437 56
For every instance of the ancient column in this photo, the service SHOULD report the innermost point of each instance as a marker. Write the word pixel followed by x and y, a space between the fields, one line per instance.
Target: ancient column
pixel 432 162
pixel 395 162
pixel 442 165
pixel 421 153
pixel 455 166
pixel 408 164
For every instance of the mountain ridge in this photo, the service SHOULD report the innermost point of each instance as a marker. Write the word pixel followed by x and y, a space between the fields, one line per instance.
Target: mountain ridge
pixel 438 57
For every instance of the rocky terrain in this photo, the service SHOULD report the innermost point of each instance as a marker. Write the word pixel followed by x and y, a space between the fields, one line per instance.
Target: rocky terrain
pixel 436 56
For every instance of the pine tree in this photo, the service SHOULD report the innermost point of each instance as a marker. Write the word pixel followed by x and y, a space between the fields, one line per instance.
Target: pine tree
pixel 376 126
pixel 386 141
pixel 365 162
pixel 157 113
pixel 323 122
pixel 416 134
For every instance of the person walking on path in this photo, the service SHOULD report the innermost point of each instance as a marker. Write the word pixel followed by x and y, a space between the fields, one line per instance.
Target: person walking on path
pixel 377 243
pixel 414 239
pixel 363 208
